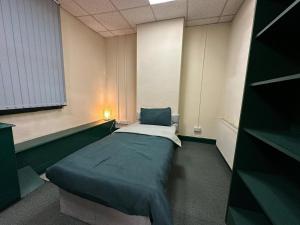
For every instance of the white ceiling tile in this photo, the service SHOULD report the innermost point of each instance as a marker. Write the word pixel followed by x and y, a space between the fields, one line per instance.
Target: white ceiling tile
pixel 225 19
pixel 138 15
pixel 72 8
pixel 96 6
pixel 170 10
pixel 92 23
pixel 232 7
pixel 123 32
pixel 200 22
pixel 199 9
pixel 112 21
pixel 126 4
pixel 106 34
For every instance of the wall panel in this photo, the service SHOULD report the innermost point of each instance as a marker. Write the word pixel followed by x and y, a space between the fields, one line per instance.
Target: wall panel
pixel 121 77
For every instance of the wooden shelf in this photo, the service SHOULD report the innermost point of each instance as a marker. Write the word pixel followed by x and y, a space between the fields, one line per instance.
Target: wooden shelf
pixel 283 141
pixel 285 79
pixel 239 216
pixel 279 20
pixel 278 197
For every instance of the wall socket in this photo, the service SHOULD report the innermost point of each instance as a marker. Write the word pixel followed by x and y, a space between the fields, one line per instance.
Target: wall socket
pixel 197 129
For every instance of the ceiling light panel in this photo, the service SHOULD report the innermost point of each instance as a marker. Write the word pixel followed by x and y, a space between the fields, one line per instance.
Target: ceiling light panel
pixel 170 10
pixel 154 2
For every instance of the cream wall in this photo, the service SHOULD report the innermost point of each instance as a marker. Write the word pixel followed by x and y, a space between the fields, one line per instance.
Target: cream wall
pixel 121 77
pixel 204 63
pixel 84 63
pixel 233 87
pixel 159 55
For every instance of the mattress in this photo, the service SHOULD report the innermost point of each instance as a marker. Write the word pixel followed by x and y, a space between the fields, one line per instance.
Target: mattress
pixel 124 171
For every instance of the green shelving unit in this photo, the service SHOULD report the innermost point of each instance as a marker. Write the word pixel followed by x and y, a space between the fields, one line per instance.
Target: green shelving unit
pixel 265 186
pixel 240 216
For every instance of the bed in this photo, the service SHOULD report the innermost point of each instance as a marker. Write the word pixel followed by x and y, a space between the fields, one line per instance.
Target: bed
pixel 120 178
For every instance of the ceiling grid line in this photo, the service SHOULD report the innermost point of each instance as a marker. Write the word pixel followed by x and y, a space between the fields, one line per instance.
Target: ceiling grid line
pixel 120 17
pixel 121 14
pixel 223 10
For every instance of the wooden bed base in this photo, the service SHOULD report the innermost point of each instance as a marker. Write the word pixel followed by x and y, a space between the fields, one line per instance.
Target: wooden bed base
pixel 96 214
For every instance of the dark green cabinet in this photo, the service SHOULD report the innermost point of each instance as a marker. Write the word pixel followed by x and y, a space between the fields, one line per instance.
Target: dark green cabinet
pixel 265 187
pixel 9 187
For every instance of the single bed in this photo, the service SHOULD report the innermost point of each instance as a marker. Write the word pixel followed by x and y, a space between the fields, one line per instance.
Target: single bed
pixel 121 177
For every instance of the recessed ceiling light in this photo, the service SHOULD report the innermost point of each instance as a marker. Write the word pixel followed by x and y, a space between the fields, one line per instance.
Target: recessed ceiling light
pixel 154 2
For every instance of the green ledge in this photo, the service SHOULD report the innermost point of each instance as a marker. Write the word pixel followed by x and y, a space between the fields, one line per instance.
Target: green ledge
pixel 53 137
pixel 5 125
pixel 197 139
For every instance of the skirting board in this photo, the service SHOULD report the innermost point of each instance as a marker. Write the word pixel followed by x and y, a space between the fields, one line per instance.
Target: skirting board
pixel 197 139
pixel 94 213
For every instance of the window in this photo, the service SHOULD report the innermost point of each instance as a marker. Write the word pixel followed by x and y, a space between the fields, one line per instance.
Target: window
pixel 31 61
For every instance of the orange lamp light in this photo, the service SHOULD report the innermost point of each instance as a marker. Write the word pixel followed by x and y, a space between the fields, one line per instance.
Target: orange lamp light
pixel 107 114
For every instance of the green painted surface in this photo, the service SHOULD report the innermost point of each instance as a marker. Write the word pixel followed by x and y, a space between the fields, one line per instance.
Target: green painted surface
pixel 196 139
pixel 278 197
pixel 284 141
pixel 29 180
pixel 238 216
pixel 45 151
pixel 9 188
pixel 269 132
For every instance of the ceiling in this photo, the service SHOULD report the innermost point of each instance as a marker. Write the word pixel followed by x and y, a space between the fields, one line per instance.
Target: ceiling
pixel 119 17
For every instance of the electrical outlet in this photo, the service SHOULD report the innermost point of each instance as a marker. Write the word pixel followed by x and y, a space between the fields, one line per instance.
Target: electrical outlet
pixel 197 129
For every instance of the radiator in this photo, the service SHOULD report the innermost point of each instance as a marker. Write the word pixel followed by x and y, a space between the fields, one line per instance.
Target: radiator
pixel 226 140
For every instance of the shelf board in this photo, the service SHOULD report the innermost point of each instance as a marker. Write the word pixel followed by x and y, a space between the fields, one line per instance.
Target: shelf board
pixel 238 216
pixel 283 141
pixel 279 18
pixel 278 197
pixel 277 80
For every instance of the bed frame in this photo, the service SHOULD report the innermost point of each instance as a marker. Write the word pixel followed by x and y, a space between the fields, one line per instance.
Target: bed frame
pixel 94 213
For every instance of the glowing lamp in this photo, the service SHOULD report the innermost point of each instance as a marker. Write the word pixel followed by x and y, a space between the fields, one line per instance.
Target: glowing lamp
pixel 106 114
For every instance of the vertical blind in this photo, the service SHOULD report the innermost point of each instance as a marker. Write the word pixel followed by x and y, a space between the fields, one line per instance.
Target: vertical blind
pixel 31 61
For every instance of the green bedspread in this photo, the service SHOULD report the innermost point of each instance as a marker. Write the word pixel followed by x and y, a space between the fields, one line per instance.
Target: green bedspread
pixel 127 172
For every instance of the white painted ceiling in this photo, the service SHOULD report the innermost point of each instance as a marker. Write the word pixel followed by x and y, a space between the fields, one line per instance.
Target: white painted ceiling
pixel 119 17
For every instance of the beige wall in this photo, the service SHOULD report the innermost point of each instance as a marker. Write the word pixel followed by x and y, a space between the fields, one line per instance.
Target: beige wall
pixel 159 51
pixel 233 87
pixel 121 77
pixel 238 53
pixel 84 62
pixel 204 63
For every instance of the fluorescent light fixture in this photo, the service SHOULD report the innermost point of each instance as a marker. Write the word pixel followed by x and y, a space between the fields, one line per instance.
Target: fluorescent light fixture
pixel 154 2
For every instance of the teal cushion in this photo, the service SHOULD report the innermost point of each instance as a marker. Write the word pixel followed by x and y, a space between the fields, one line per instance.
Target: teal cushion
pixel 161 116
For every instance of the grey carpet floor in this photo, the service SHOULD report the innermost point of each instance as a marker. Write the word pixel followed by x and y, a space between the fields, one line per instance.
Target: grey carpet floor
pixel 198 190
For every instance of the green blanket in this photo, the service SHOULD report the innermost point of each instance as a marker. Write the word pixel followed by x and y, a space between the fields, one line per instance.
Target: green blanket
pixel 127 172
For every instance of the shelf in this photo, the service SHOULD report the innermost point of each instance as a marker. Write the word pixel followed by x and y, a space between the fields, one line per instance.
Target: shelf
pixel 291 78
pixel 278 197
pixel 283 141
pixel 279 20
pixel 237 216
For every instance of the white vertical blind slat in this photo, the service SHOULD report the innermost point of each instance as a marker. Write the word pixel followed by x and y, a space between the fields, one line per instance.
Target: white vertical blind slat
pixel 31 61
pixel 6 94
pixel 20 57
pixel 11 55
pixel 56 73
pixel 25 38
pixel 59 57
